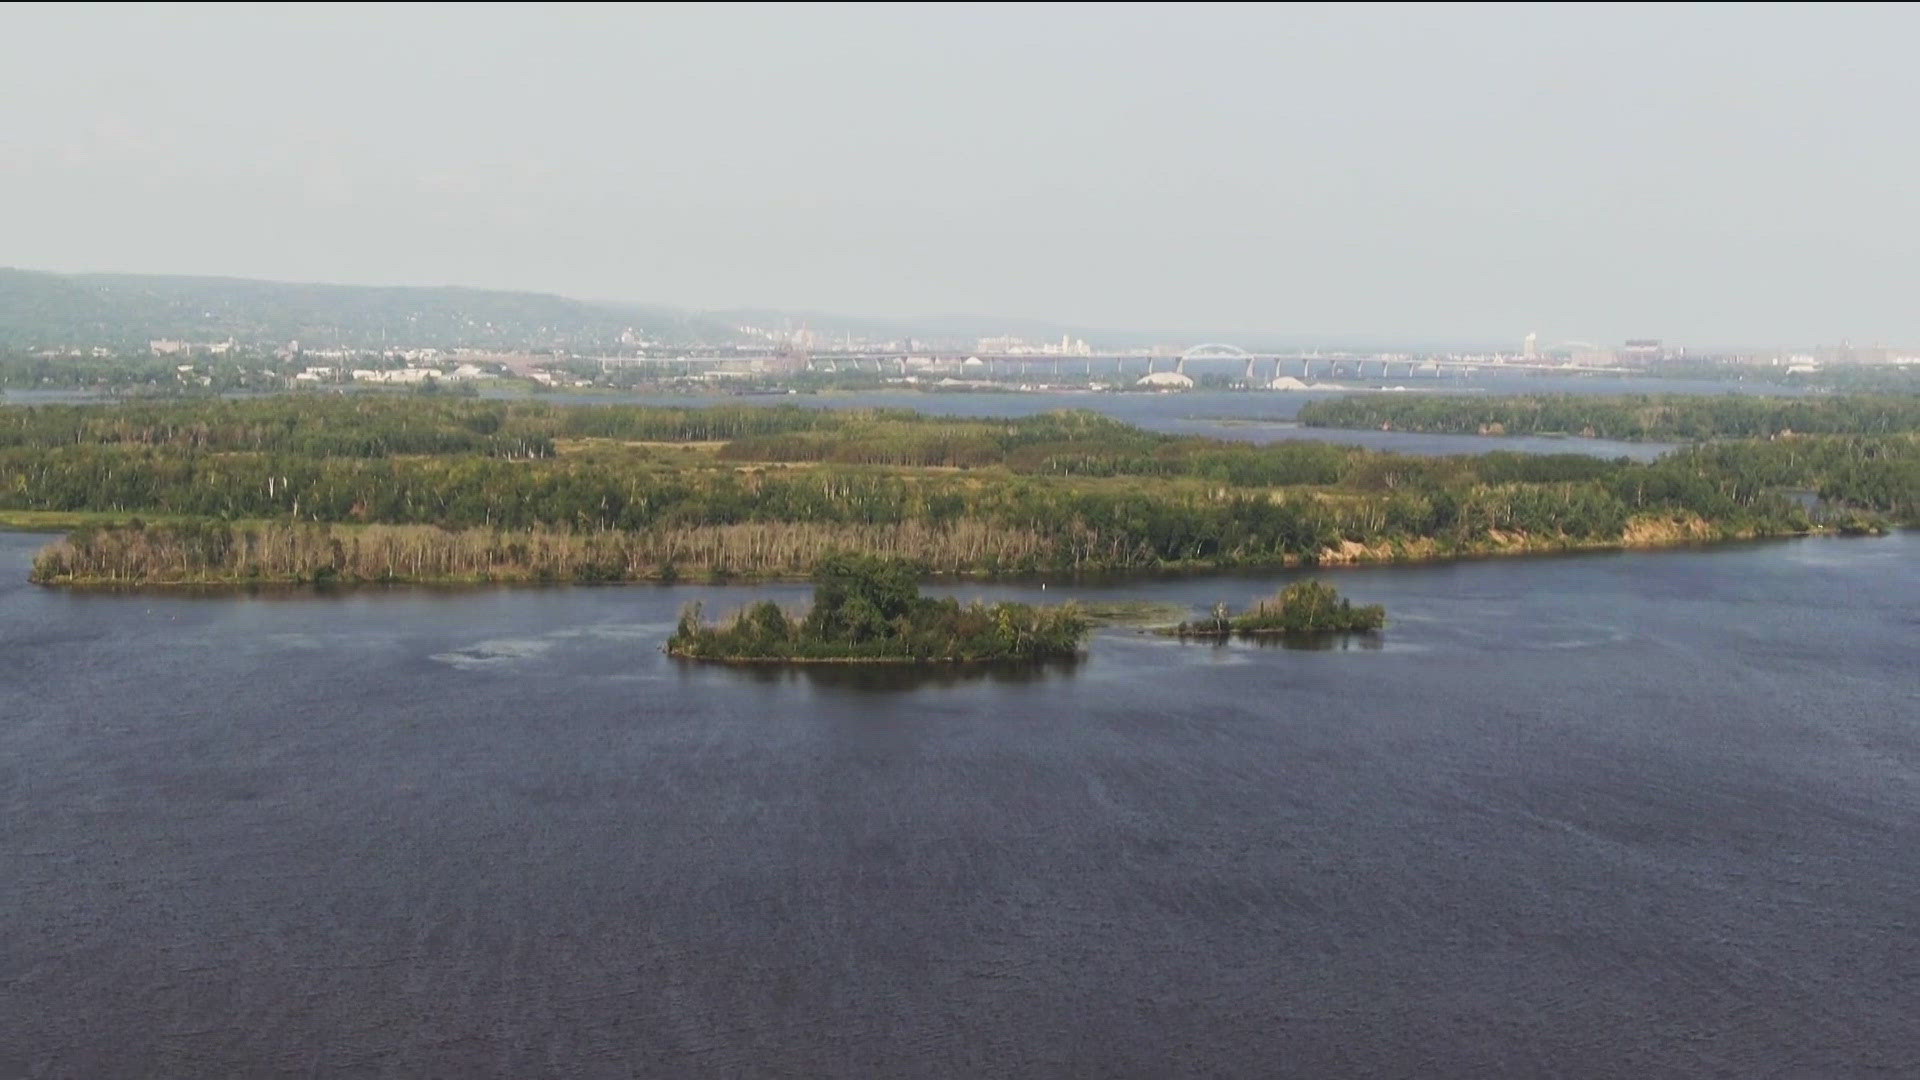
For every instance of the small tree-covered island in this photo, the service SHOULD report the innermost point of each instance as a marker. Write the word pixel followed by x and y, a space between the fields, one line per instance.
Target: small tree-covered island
pixel 869 610
pixel 1302 608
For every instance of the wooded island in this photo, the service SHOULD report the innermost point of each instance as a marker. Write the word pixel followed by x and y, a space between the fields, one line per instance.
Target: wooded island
pixel 867 609
pixel 397 488
pixel 1304 607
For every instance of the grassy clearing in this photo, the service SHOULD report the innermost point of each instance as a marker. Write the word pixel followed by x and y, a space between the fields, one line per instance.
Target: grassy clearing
pixel 1132 613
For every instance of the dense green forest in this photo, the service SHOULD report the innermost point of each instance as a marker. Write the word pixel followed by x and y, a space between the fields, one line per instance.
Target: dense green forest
pixel 140 374
pixel 1653 418
pixel 1304 607
pixel 867 608
pixel 412 488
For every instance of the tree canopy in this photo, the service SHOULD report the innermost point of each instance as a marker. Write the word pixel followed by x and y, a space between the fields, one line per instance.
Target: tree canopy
pixel 869 609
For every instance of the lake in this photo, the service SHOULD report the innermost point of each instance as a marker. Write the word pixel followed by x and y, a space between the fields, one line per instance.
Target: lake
pixel 1214 414
pixel 1651 814
pixel 1258 417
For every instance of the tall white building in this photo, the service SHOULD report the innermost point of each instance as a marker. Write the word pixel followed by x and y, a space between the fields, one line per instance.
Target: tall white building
pixel 1531 348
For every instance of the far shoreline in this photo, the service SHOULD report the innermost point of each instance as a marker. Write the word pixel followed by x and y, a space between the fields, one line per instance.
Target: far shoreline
pixel 941 662
pixel 293 587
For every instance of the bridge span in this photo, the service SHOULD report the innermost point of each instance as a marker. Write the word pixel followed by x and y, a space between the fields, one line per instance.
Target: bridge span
pixel 1305 364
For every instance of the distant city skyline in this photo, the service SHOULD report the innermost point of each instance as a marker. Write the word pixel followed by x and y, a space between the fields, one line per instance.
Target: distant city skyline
pixel 1369 175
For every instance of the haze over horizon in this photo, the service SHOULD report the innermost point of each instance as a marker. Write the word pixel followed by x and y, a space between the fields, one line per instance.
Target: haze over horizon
pixel 1387 174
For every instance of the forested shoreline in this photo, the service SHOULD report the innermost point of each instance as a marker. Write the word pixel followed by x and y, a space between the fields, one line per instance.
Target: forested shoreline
pixel 404 490
pixel 1630 418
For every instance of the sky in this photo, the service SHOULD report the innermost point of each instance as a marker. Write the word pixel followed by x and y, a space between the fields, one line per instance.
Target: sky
pixel 1706 175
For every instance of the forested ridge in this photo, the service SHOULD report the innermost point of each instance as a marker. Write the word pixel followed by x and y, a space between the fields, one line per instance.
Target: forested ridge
pixel 38 309
pixel 390 489
pixel 1641 417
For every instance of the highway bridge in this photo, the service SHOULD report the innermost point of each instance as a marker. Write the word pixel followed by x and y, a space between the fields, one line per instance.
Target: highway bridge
pixel 1259 367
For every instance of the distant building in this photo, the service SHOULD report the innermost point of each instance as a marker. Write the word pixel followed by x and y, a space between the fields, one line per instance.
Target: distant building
pixel 169 347
pixel 1530 349
pixel 1166 380
pixel 1013 346
pixel 1641 349
pixel 402 376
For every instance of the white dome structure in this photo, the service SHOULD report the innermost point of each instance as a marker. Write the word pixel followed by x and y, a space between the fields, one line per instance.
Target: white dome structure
pixel 1165 380
pixel 1287 382
pixel 1176 379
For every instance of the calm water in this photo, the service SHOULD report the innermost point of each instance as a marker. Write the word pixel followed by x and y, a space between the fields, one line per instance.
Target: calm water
pixel 1264 417
pixel 1247 417
pixel 1217 414
pixel 1648 814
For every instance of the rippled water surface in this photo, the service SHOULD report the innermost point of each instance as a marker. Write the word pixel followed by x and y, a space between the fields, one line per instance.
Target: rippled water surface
pixel 1642 814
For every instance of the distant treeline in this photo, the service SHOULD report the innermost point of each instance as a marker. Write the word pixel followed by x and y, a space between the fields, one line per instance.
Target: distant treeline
pixel 137 374
pixel 1652 418
pixel 378 425
pixel 527 491
pixel 214 552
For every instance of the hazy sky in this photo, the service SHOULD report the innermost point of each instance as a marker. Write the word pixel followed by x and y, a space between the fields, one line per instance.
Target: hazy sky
pixel 1713 175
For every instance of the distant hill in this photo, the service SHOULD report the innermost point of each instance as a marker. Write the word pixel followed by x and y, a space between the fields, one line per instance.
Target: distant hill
pixel 943 330
pixel 42 309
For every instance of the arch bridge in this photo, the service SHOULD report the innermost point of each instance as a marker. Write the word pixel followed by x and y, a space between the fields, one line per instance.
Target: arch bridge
pixel 1216 351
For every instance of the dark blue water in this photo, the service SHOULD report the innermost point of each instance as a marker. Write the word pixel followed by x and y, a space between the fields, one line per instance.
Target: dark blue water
pixel 1619 815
